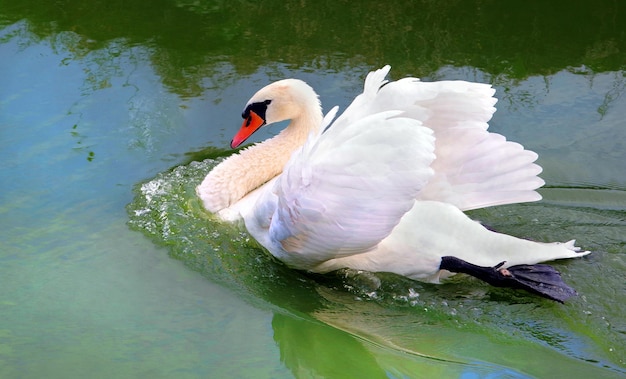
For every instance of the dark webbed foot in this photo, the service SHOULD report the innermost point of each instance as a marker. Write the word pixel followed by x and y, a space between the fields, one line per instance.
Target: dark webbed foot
pixel 540 279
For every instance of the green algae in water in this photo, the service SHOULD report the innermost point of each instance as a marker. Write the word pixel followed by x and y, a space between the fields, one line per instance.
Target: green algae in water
pixel 168 210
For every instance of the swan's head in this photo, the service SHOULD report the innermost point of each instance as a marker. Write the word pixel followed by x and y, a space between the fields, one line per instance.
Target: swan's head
pixel 283 100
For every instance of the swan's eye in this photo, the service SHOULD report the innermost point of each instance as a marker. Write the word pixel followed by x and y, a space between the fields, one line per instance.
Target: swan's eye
pixel 259 108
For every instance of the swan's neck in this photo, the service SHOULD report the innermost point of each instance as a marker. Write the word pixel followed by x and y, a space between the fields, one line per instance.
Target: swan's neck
pixel 241 173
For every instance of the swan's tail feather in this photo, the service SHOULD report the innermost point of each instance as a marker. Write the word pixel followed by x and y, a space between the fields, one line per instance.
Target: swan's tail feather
pixel 571 245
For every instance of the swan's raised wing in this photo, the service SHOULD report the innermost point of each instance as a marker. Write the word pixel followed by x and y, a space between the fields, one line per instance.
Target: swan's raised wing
pixel 345 192
pixel 474 168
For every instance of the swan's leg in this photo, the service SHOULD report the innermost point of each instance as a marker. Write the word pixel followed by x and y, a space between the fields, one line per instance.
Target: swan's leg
pixel 540 279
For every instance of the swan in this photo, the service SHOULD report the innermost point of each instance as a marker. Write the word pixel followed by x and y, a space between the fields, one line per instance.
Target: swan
pixel 384 187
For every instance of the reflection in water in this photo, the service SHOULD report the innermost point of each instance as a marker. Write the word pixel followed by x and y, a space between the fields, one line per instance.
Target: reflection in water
pixel 617 89
pixel 189 40
pixel 311 349
pixel 114 81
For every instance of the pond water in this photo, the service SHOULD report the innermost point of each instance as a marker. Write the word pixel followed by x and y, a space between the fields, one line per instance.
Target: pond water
pixel 111 113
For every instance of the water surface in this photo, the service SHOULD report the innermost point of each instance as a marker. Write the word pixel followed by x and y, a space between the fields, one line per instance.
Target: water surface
pixel 111 113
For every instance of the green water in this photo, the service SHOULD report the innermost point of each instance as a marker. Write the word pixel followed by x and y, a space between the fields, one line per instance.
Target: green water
pixel 111 112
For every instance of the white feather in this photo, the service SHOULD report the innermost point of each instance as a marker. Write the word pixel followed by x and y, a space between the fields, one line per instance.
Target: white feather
pixel 364 176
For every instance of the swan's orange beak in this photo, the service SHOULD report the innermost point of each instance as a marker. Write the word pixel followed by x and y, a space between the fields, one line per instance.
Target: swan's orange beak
pixel 250 125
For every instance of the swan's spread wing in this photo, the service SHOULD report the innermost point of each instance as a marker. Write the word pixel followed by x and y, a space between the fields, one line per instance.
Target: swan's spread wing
pixel 474 168
pixel 477 169
pixel 345 192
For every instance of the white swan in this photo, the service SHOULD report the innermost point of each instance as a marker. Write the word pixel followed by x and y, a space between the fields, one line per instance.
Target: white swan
pixel 383 188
